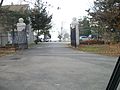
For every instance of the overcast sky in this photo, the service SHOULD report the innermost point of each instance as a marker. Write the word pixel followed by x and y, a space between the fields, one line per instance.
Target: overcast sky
pixel 63 16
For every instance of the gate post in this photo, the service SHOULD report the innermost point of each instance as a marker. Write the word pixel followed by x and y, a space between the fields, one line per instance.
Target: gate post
pixel 21 35
pixel 74 33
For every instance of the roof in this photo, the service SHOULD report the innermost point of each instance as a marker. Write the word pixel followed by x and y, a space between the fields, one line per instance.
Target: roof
pixel 19 8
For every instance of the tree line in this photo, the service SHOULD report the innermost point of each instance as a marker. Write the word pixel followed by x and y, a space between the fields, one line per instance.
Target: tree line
pixel 103 20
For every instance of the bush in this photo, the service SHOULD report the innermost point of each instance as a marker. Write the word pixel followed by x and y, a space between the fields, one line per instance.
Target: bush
pixel 91 42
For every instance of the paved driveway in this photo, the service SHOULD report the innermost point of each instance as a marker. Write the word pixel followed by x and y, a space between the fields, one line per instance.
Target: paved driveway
pixel 55 66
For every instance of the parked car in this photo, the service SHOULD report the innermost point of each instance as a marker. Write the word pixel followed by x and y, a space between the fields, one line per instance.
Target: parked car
pixel 84 38
pixel 92 37
pixel 47 40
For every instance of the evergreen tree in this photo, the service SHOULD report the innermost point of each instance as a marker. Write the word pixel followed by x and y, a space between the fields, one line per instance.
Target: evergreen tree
pixel 41 21
pixel 84 25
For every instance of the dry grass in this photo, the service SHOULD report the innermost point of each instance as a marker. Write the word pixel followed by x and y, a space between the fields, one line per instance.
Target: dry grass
pixel 112 50
pixel 6 51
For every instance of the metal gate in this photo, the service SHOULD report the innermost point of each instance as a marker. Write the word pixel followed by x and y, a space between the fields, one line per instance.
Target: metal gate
pixel 73 37
pixel 19 39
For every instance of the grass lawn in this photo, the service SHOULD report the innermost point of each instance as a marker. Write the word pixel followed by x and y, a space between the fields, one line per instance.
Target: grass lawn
pixel 112 50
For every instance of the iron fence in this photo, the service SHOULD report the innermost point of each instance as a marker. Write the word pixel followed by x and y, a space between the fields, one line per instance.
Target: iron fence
pixel 14 38
pixel 4 39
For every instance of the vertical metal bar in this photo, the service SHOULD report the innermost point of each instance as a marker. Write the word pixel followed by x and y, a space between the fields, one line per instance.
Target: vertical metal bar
pixel 75 37
pixel 1 39
pixel 13 37
pixel 71 35
pixel 26 39
pixel 115 78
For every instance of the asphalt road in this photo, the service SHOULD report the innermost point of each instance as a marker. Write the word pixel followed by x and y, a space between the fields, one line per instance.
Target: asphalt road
pixel 55 66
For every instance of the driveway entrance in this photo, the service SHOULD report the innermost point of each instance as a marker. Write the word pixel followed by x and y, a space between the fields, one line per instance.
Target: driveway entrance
pixel 55 66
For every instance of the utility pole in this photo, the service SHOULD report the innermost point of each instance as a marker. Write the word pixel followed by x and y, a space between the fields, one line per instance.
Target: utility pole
pixel 1 3
pixel 61 29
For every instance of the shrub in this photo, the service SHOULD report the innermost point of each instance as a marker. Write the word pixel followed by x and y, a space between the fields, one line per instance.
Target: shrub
pixel 91 42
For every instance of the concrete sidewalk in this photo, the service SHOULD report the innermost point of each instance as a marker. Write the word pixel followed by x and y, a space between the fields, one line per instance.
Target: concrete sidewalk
pixel 55 66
